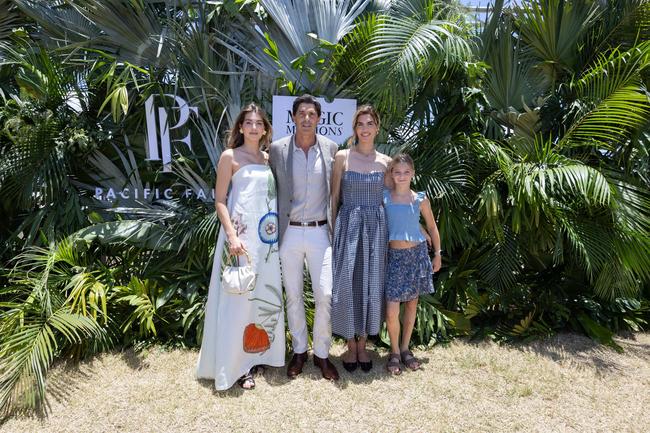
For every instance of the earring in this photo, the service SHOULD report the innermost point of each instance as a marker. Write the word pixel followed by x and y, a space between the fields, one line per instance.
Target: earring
pixel 241 131
pixel 264 133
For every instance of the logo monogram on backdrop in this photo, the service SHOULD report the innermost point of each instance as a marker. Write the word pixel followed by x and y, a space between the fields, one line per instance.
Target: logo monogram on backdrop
pixel 159 142
pixel 158 147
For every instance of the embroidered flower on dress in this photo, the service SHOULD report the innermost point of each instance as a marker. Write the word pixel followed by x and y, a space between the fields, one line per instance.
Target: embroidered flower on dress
pixel 271 193
pixel 238 224
pixel 268 228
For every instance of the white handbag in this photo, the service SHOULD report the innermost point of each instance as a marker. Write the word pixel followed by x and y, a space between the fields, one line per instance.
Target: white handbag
pixel 239 279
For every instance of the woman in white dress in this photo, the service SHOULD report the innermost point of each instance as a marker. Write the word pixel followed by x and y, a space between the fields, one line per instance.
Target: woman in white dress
pixel 244 330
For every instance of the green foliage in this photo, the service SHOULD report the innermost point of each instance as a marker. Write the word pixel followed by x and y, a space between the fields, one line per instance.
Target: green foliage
pixel 39 322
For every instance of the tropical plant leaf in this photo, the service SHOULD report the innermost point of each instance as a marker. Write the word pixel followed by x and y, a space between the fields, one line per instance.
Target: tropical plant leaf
pixel 618 96
pixel 128 30
pixel 141 234
pixel 553 30
pixel 404 49
pixel 28 351
pixel 9 19
pixel 598 332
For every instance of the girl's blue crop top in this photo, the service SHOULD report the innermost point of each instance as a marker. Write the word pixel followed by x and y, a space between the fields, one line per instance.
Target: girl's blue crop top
pixel 404 219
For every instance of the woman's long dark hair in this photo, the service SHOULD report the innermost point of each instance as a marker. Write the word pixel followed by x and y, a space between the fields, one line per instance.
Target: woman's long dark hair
pixel 236 138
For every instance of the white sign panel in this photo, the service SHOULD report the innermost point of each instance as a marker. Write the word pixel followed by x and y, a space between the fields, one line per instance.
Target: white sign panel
pixel 335 121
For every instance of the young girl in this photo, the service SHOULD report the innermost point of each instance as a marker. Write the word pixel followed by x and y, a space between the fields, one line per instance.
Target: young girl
pixel 408 274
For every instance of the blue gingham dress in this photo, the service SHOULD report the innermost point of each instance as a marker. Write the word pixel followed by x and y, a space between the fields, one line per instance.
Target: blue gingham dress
pixel 359 256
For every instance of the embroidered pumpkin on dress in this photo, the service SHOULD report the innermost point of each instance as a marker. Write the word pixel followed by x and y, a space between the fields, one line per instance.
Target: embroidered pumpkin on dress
pixel 255 338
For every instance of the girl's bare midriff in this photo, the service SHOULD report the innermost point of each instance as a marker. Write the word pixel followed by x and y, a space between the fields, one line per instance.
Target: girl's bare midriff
pixel 401 245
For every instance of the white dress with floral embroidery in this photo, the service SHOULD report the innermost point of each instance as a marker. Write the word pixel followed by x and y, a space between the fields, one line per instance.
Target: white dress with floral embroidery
pixel 244 330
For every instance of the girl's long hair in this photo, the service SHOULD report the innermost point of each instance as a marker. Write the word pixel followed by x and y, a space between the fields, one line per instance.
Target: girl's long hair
pixel 236 138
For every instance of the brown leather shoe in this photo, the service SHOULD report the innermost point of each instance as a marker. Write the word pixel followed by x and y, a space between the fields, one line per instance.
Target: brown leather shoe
pixel 296 364
pixel 327 368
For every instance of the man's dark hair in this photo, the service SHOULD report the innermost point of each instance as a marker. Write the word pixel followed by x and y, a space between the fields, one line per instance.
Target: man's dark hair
pixel 305 99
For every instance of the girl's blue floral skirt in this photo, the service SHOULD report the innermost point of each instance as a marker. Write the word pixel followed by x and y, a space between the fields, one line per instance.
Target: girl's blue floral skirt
pixel 409 273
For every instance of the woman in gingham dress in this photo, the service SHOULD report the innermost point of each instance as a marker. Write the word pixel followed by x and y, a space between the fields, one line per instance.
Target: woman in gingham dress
pixel 360 239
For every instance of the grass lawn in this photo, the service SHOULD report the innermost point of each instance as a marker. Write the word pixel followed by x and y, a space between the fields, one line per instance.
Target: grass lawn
pixel 567 383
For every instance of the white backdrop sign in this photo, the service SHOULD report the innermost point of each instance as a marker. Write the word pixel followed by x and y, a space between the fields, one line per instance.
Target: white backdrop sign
pixel 335 122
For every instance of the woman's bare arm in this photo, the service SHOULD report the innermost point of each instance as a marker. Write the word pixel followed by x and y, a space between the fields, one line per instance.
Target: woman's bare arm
pixel 388 179
pixel 337 174
pixel 224 176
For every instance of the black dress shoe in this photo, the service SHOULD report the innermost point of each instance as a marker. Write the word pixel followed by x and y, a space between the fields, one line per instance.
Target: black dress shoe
pixel 366 366
pixel 350 366
pixel 295 365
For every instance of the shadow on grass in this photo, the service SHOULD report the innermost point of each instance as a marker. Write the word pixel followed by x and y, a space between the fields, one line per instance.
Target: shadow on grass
pixel 63 382
pixel 66 380
pixel 277 376
pixel 134 360
pixel 274 376
pixel 579 350
pixel 378 372
pixel 66 377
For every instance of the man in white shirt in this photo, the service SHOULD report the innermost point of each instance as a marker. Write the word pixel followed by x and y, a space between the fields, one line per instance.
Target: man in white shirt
pixel 302 165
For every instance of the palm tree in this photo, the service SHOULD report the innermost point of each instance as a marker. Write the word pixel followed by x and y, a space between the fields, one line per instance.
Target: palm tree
pixel 552 197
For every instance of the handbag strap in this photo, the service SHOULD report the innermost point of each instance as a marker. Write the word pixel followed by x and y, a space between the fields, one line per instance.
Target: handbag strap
pixel 248 257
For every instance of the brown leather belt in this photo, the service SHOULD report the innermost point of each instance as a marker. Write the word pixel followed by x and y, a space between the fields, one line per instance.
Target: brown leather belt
pixel 308 224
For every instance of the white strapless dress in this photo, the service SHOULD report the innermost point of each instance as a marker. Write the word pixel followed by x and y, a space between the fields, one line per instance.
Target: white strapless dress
pixel 244 330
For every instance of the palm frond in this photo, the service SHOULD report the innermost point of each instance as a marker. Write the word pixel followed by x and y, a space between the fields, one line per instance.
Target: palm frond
pixel 620 101
pixel 554 29
pixel 536 183
pixel 28 351
pixel 353 47
pixel 502 264
pixel 633 252
pixel 616 281
pixel 403 52
pixel 590 244
pixel 294 31
pixel 130 31
pixel 631 204
pixel 141 234
pixel 541 175
pixel 59 21
pixel 425 9
pixel 329 19
pixel 148 298
pixel 107 175
pixel 9 18
pixel 624 23
pixel 507 82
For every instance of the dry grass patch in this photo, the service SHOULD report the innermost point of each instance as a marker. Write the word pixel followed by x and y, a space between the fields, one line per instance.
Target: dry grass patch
pixel 565 384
